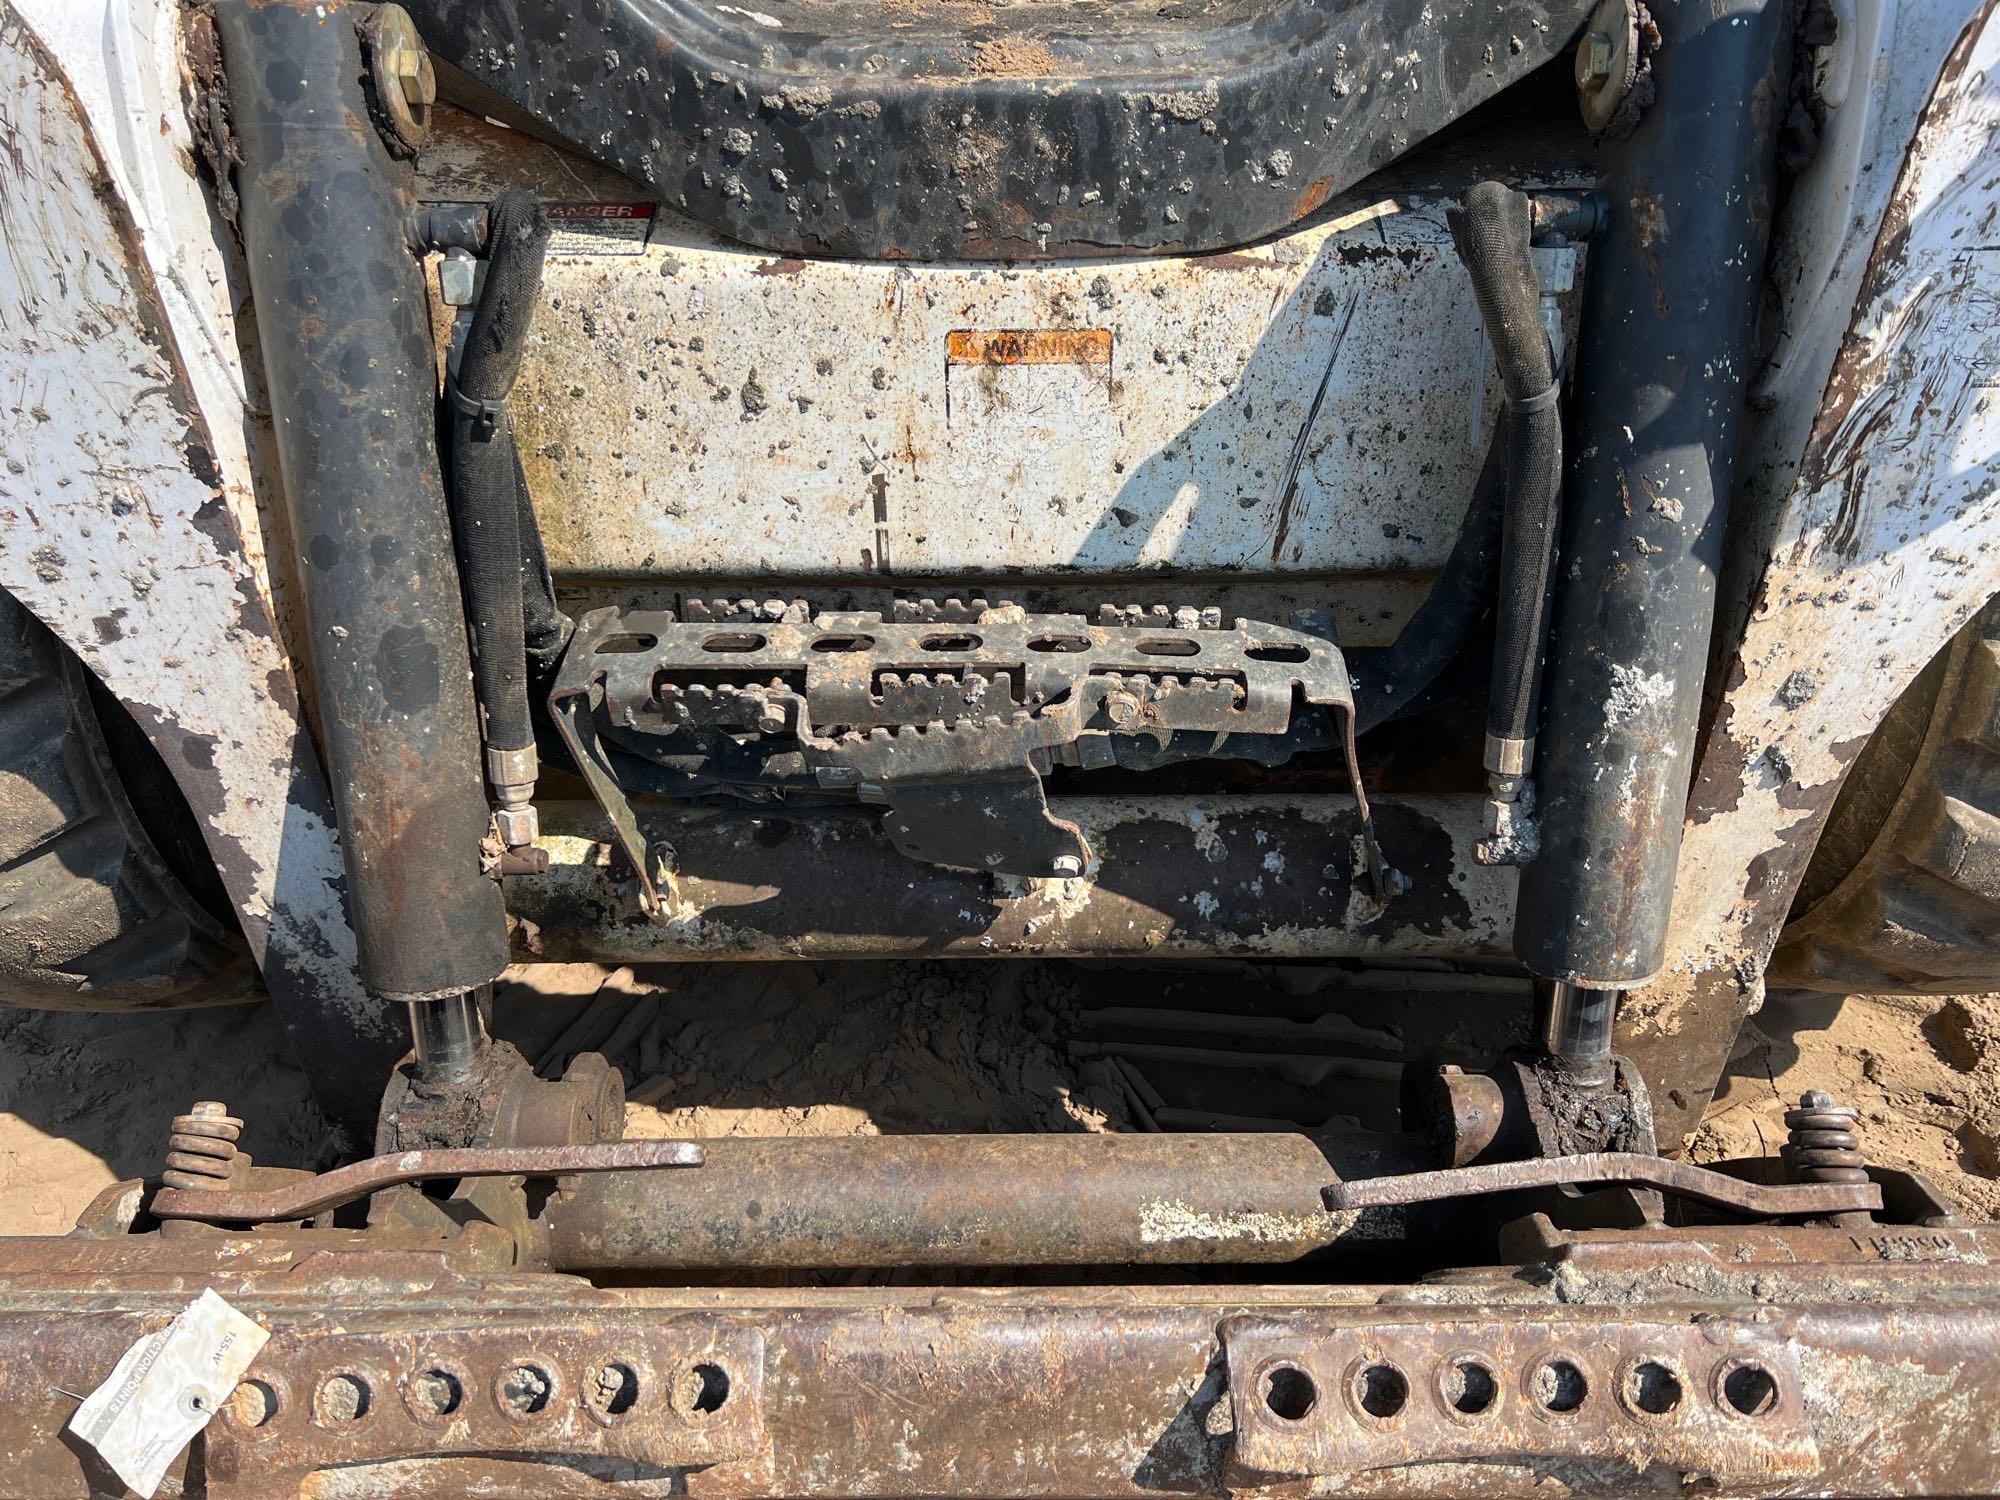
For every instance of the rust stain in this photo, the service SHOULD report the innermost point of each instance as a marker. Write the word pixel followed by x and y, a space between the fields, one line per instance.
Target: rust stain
pixel 1031 346
pixel 1314 195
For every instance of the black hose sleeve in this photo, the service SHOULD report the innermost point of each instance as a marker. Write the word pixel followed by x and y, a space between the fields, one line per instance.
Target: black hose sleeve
pixel 1527 567
pixel 487 491
pixel 1493 229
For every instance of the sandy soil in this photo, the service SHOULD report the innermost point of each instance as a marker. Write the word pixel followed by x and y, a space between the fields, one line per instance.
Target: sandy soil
pixel 1925 1075
pixel 798 1049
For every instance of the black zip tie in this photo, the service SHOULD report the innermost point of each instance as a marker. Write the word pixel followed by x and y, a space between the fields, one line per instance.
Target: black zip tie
pixel 484 415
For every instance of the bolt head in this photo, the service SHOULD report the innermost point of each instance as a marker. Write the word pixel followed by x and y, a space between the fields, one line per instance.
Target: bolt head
pixel 1593 58
pixel 1066 866
pixel 405 79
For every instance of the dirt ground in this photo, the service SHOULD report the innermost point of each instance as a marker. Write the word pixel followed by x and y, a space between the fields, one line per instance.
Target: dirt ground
pixel 799 1049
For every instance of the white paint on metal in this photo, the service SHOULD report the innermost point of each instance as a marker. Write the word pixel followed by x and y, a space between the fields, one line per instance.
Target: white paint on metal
pixel 708 411
pixel 1889 540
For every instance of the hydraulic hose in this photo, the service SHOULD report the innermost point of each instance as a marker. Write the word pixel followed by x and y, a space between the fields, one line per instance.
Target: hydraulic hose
pixel 1493 229
pixel 499 545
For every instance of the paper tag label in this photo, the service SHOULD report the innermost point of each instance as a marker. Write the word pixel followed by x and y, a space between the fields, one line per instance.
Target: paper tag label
pixel 599 228
pixel 166 1388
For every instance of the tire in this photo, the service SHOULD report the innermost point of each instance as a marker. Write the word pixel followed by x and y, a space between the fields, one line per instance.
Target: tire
pixel 108 900
pixel 1903 893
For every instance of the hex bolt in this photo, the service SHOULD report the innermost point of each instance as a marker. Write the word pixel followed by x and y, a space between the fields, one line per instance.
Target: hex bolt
pixel 405 80
pixel 1066 866
pixel 1594 54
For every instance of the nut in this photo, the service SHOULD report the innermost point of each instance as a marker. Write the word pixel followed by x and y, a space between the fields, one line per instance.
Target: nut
pixel 517 826
pixel 459 278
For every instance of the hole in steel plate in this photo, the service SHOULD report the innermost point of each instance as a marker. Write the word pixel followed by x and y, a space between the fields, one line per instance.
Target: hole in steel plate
pixel 733 641
pixel 341 1399
pixel 1560 1386
pixel 434 1392
pixel 1750 1390
pixel 1469 1387
pixel 626 645
pixel 951 643
pixel 1168 645
pixel 1069 643
pixel 251 1404
pixel 1652 1388
pixel 1380 1390
pixel 1278 653
pixel 1289 1393
pixel 702 1389
pixel 843 643
pixel 612 1390
pixel 524 1390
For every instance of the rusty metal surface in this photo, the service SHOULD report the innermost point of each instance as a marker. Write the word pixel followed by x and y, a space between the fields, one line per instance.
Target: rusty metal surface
pixel 946 712
pixel 1886 1350
pixel 1683 1179
pixel 1278 876
pixel 346 346
pixel 1631 1390
pixel 992 1200
pixel 303 1199
pixel 1880 545
pixel 660 1396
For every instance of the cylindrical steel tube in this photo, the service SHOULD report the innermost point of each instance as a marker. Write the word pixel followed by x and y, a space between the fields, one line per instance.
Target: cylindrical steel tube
pixel 1666 351
pixel 447 1035
pixel 1575 1025
pixel 974 1200
pixel 349 368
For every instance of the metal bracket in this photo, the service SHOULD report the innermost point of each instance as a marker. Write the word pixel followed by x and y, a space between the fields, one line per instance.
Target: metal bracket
pixel 648 1392
pixel 1683 1179
pixel 948 716
pixel 1352 1392
pixel 312 1195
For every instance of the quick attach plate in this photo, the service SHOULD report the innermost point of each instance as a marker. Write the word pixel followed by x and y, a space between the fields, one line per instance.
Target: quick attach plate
pixel 947 714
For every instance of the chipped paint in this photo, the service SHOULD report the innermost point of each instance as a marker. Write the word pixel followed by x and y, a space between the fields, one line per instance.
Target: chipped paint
pixel 1882 551
pixel 1166 1221
pixel 129 486
pixel 1113 417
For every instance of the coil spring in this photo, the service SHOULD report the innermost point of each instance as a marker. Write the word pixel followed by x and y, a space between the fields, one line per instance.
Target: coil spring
pixel 1822 1142
pixel 201 1150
